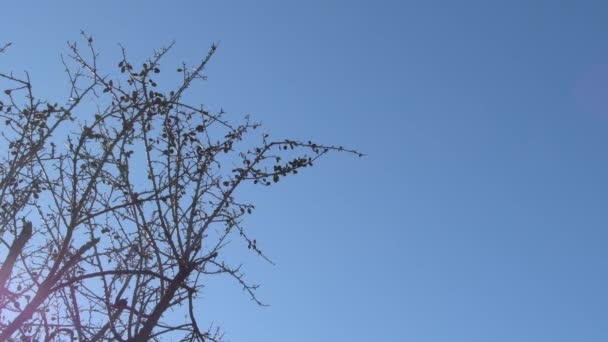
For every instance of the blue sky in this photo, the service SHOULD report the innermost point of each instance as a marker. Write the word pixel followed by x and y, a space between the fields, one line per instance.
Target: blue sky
pixel 480 211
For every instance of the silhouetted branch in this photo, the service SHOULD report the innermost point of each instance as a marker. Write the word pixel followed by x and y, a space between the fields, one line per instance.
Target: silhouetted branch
pixel 143 181
pixel 16 248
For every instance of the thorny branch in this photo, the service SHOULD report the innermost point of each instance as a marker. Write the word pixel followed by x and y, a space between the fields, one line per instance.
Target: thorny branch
pixel 142 181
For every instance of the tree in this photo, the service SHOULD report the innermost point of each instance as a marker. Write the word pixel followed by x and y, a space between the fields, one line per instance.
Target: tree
pixel 116 204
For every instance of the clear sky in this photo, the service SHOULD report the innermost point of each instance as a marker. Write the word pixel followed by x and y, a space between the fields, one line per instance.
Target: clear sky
pixel 481 213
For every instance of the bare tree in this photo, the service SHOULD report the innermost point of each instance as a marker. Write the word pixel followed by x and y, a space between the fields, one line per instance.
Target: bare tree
pixel 115 206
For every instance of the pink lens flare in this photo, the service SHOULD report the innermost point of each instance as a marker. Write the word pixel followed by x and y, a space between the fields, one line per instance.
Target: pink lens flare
pixel 591 91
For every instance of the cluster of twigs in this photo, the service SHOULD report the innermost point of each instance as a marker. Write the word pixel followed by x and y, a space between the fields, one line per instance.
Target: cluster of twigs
pixel 115 206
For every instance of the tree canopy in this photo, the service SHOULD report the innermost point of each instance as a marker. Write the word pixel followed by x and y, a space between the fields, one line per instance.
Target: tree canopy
pixel 116 203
